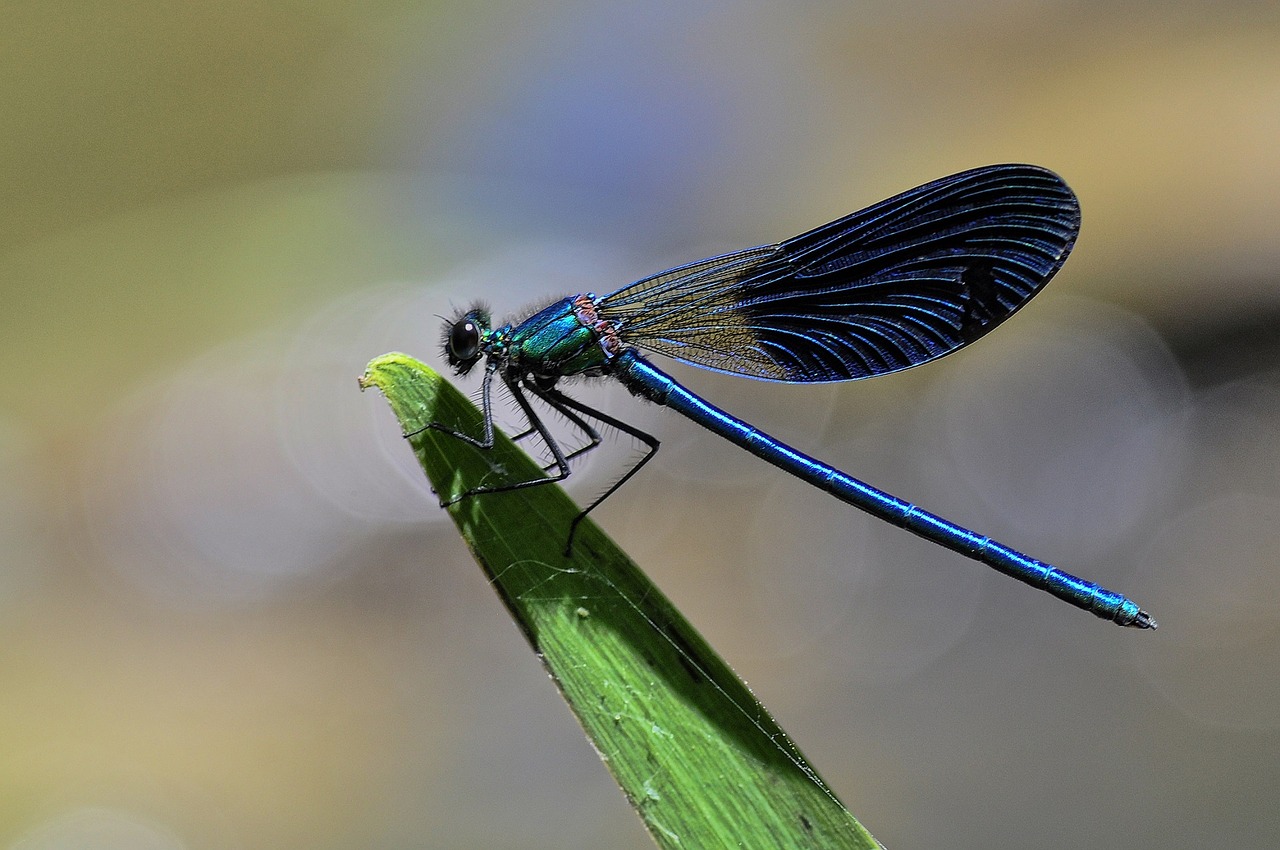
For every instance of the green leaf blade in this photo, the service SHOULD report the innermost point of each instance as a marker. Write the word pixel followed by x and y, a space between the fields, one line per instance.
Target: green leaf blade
pixel 698 757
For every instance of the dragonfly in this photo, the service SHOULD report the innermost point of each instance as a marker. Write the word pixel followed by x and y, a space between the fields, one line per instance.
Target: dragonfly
pixel 898 284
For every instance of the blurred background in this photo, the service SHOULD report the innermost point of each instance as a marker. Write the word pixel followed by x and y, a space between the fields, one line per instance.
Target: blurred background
pixel 231 616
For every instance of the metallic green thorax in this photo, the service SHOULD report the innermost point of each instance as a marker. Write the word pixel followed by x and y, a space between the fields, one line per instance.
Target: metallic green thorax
pixel 561 340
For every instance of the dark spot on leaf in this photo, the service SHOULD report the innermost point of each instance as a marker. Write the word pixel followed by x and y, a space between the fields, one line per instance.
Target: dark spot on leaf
pixel 684 653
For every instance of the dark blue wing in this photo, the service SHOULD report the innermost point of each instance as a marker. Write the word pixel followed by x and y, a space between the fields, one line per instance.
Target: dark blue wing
pixel 898 284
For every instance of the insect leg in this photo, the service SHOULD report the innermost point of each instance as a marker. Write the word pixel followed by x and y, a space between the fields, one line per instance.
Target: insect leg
pixel 485 441
pixel 564 404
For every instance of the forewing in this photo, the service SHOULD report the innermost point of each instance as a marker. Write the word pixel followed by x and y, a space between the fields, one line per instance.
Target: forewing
pixel 898 284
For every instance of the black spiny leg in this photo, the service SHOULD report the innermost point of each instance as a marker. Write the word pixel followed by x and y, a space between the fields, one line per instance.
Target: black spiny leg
pixel 565 404
pixel 572 410
pixel 561 464
pixel 484 442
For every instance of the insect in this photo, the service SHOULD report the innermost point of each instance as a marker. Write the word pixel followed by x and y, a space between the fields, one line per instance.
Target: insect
pixel 898 284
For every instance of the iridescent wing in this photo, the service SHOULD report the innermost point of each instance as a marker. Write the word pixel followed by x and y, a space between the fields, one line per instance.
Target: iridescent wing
pixel 898 284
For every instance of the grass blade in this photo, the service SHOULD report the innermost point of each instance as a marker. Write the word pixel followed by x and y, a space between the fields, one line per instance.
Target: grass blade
pixel 700 759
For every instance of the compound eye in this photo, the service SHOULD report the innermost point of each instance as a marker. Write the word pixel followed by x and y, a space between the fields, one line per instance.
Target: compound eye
pixel 464 340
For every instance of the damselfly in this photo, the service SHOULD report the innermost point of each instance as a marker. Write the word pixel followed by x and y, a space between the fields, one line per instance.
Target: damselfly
pixel 898 284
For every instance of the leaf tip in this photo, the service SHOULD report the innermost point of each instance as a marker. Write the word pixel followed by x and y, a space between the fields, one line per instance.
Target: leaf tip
pixel 384 369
